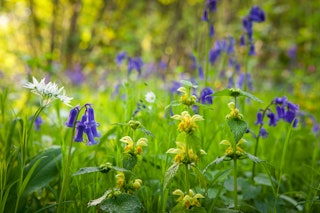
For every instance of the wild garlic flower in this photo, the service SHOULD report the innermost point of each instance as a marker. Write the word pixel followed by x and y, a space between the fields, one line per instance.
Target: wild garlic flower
pixel 150 97
pixel 134 148
pixel 48 91
pixel 230 152
pixel 188 200
pixel 187 123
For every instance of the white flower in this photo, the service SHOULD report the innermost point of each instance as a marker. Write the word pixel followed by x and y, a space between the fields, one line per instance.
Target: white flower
pixel 150 97
pixel 48 92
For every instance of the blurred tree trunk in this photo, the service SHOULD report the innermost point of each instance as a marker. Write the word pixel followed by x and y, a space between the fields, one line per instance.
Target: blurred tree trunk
pixel 73 37
pixel 53 30
pixel 35 38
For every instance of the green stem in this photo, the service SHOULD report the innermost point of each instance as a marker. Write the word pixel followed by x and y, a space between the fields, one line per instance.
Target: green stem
pixel 187 186
pixel 235 183
pixel 66 173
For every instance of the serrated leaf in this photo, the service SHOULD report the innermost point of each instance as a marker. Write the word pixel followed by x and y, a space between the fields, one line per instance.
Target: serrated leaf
pixel 123 203
pixel 249 191
pixel 202 179
pixel 235 92
pixel 253 158
pixel 86 170
pixel 188 84
pixel 215 162
pixel 129 161
pixel 238 128
pixel 170 173
pixel 46 170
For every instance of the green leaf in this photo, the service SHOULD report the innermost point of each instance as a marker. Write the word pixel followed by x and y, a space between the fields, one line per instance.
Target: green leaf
pixel 86 170
pixel 123 203
pixel 202 179
pixel 170 173
pixel 253 158
pixel 129 161
pixel 46 171
pixel 292 201
pixel 215 162
pixel 235 92
pixel 188 84
pixel 238 128
pixel 249 191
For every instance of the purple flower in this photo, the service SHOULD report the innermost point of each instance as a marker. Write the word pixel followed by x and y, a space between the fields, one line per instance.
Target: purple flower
pixel 272 119
pixel 292 52
pixel 316 128
pixel 80 129
pixel 242 41
pixel 211 5
pixel 37 122
pixel 92 123
pixel 256 14
pixel 72 116
pixel 230 48
pixel 193 62
pixel 247 26
pixel 200 73
pixel 280 101
pixel 259 119
pixel 251 50
pixel 211 30
pixel 263 133
pixel 91 140
pixel 230 82
pixel 76 75
pixel 121 57
pixel 205 95
pixel 135 64
pixel 281 112
pixel 205 16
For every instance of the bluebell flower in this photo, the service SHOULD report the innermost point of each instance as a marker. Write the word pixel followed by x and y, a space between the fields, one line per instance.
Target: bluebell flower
pixel 230 82
pixel 230 48
pixel 121 57
pixel 135 64
pixel 240 80
pixel 76 75
pixel 215 52
pixel 37 122
pixel 272 119
pixel 211 30
pixel 200 73
pixel 247 25
pixel 205 15
pixel 91 140
pixel 256 14
pixel 251 50
pixel 72 116
pixel 316 128
pixel 205 95
pixel 193 62
pixel 80 129
pixel 259 119
pixel 211 5
pixel 242 41
pixel 92 123
pixel 263 133
pixel 281 111
pixel 280 100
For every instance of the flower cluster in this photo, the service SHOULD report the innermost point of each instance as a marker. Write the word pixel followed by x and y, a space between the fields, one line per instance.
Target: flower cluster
pixel 187 123
pixel 210 7
pixel 129 187
pixel 134 63
pixel 47 91
pixel 285 110
pixel 188 200
pixel 86 125
pixel 256 15
pixel 186 98
pixel 184 156
pixel 205 95
pixel 234 113
pixel 230 151
pixel 133 148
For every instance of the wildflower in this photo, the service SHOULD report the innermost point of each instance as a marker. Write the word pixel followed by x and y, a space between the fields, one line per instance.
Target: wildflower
pixel 48 91
pixel 187 98
pixel 188 200
pixel 76 75
pixel 205 95
pixel 211 30
pixel 230 151
pixel 137 184
pixel 182 156
pixel 135 64
pixel 205 16
pixel 211 5
pixel 37 122
pixel 272 119
pixel 263 133
pixel 256 14
pixel 234 112
pixel 259 119
pixel 121 57
pixel 242 41
pixel 120 179
pixel 150 97
pixel 188 123
pixel 200 73
pixel 131 148
pixel 252 51
pixel 86 125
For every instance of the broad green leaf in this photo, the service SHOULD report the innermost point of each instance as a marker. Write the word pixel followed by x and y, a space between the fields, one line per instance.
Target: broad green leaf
pixel 292 201
pixel 235 92
pixel 170 173
pixel 200 176
pixel 46 171
pixel 253 158
pixel 129 161
pixel 249 191
pixel 123 203
pixel 238 128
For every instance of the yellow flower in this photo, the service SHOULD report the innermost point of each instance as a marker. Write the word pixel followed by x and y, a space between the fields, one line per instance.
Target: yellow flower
pixel 137 183
pixel 186 99
pixel 132 148
pixel 181 154
pixel 120 178
pixel 234 111
pixel 189 200
pixel 229 151
pixel 187 123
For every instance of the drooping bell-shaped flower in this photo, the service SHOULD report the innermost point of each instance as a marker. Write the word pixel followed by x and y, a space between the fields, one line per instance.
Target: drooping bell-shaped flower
pixel 72 116
pixel 256 14
pixel 259 119
pixel 80 129
pixel 205 95
pixel 92 123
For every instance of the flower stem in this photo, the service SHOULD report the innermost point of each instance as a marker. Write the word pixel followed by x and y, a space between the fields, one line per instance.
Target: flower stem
pixel 65 172
pixel 235 183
